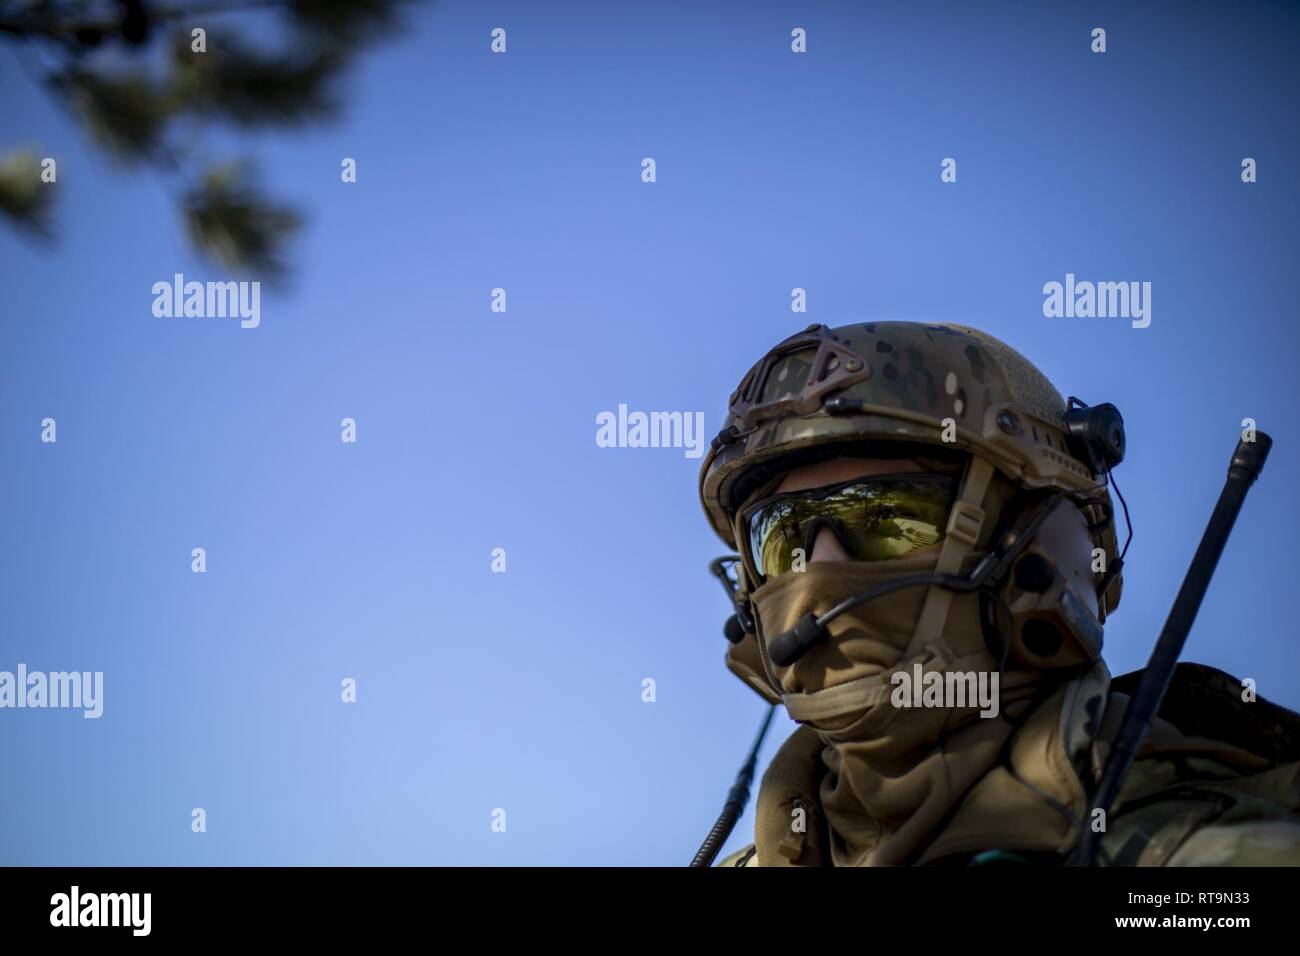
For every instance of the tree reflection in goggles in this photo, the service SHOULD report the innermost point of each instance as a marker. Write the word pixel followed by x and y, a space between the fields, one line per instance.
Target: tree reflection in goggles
pixel 875 518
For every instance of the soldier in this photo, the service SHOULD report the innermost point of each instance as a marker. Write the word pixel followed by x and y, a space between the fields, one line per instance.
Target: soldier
pixel 930 490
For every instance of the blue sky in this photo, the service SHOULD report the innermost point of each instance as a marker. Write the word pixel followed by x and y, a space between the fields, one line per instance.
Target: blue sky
pixel 476 430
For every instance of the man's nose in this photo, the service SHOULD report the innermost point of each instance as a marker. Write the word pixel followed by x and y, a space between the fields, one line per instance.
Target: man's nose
pixel 827 547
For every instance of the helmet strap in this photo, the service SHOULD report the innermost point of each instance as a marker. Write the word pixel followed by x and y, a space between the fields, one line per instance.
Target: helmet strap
pixel 964 524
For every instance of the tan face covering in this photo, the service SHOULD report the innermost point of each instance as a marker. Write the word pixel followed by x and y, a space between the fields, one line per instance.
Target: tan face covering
pixel 894 774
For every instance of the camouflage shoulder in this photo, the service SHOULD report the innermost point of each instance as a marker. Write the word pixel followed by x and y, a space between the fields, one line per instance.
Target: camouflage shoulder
pixel 1246 843
pixel 1216 783
pixel 1208 703
pixel 746 856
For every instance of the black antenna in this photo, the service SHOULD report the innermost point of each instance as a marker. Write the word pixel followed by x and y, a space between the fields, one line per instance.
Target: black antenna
pixel 1246 465
pixel 736 800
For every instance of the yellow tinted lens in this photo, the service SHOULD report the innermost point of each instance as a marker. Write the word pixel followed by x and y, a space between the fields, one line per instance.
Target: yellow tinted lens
pixel 774 532
pixel 882 520
pixel 875 520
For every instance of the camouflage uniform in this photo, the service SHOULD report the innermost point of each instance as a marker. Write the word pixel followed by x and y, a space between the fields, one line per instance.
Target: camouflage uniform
pixel 1217 783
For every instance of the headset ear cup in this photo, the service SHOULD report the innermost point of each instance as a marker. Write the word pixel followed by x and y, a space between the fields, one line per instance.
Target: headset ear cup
pixel 1052 613
pixel 1038 641
pixel 1052 632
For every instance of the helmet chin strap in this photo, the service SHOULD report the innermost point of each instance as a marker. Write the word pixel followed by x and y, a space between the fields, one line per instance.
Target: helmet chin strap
pixel 965 521
pixel 964 525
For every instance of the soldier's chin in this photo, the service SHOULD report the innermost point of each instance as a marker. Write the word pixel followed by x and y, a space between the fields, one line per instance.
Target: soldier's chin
pixel 834 724
pixel 848 656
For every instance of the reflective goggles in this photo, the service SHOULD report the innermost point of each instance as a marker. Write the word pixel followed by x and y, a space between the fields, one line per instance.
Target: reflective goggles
pixel 875 518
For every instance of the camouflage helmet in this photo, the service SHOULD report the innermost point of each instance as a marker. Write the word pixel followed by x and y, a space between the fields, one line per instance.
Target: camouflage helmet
pixel 948 387
pixel 945 385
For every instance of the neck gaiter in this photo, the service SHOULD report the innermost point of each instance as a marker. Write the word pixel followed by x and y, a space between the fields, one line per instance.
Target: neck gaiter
pixel 894 773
